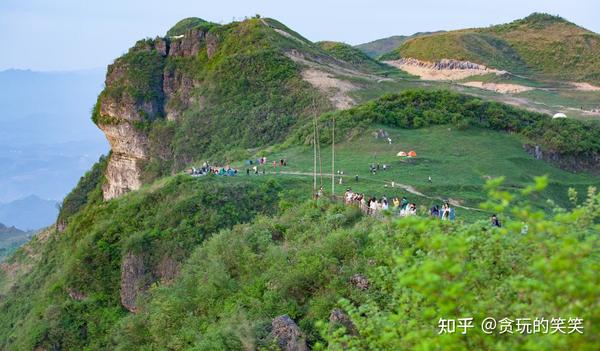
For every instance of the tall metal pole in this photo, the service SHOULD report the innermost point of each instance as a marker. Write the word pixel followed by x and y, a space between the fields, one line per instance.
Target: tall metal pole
pixel 314 150
pixel 333 158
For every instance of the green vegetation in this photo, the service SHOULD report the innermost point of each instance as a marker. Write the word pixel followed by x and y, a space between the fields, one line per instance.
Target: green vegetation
pixel 541 46
pixel 353 56
pixel 210 261
pixel 248 81
pixel 300 263
pixel 188 23
pixel 84 193
pixel 164 221
pixel 426 270
pixel 378 47
pixel 413 109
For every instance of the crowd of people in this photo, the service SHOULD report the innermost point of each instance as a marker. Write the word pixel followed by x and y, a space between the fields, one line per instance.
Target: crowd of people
pixel 397 206
pixel 253 166
pixel 445 212
pixel 208 169
pixel 374 206
pixel 256 166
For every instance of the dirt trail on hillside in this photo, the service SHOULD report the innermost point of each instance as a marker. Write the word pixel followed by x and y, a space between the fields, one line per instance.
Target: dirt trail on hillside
pixel 408 188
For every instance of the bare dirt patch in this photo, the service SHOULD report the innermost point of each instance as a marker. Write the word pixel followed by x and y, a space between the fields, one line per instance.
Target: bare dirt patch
pixel 585 86
pixel 336 89
pixel 503 88
pixel 442 70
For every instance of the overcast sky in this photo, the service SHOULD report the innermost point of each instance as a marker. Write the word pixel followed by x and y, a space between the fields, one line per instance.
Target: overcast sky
pixel 77 34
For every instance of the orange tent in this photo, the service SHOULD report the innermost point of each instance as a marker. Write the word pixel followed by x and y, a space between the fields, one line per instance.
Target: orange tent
pixel 411 153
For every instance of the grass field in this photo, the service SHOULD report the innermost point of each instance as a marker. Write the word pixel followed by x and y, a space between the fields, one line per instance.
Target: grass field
pixel 459 163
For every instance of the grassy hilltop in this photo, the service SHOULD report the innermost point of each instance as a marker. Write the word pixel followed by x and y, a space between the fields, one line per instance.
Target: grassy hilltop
pixel 540 45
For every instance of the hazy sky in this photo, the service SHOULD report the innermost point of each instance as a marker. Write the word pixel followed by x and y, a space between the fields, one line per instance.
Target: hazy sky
pixel 78 34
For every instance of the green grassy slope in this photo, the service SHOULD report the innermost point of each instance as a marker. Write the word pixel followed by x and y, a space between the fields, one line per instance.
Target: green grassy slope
pixel 540 45
pixel 353 56
pixel 162 222
pixel 378 47
pixel 459 162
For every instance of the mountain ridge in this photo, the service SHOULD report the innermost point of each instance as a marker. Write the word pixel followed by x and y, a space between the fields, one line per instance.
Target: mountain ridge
pixel 539 45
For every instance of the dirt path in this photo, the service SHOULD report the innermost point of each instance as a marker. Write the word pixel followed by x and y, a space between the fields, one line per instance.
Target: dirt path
pixel 405 187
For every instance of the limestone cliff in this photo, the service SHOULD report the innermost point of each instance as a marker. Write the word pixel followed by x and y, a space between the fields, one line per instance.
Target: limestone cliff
pixel 140 89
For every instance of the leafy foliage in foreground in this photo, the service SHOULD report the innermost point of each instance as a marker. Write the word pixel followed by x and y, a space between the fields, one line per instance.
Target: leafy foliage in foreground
pixel 429 270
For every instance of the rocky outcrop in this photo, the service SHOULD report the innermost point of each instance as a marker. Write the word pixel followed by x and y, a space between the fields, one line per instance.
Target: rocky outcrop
pixel 127 103
pixel 178 88
pixel 338 318
pixel 129 147
pixel 581 163
pixel 133 280
pixel 360 281
pixel 444 69
pixel 167 270
pixel 212 42
pixel 287 334
pixel 441 64
pixel 137 276
pixel 188 45
pixel 76 294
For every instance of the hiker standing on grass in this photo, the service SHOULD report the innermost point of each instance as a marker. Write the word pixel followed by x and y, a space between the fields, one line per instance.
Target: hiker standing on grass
pixel 404 203
pixel 495 221
pixel 434 211
pixel 445 212
pixel 429 179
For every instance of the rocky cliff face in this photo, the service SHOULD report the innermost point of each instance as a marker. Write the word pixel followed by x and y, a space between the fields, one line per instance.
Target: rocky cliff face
pixel 137 276
pixel 449 64
pixel 141 87
pixel 584 163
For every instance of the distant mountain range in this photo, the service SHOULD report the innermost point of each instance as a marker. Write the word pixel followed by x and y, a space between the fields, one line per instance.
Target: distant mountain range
pixel 10 239
pixel 382 46
pixel 29 213
pixel 47 140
